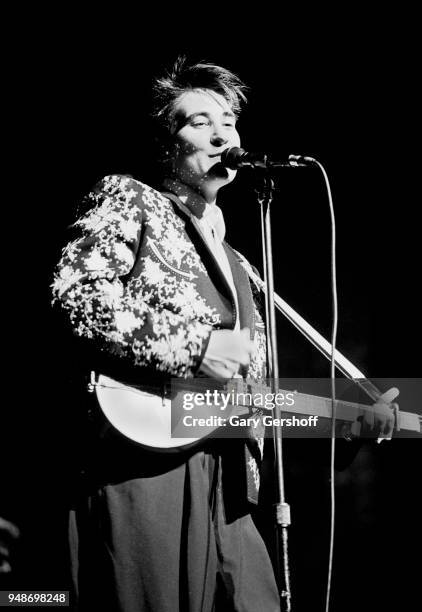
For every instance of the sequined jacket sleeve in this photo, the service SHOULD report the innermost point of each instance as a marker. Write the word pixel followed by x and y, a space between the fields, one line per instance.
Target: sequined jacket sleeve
pixel 122 312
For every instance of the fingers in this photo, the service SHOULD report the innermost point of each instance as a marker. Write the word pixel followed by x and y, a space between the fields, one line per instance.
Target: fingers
pixel 369 418
pixel 384 415
pixel 227 345
pixel 218 370
pixel 227 369
pixel 384 419
pixel 380 420
pixel 227 350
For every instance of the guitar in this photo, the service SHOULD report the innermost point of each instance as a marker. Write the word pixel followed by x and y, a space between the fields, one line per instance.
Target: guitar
pixel 166 421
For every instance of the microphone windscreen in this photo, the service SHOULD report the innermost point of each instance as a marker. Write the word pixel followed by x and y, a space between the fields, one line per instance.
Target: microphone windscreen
pixel 233 157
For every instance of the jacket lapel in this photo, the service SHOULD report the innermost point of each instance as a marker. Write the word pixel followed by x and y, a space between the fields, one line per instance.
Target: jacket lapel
pixel 206 254
pixel 240 277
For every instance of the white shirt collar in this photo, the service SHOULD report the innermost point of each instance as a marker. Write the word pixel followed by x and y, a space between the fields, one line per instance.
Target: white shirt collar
pixel 210 214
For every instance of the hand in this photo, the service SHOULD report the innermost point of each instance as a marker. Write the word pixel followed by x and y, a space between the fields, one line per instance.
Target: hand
pixel 8 532
pixel 227 350
pixel 378 421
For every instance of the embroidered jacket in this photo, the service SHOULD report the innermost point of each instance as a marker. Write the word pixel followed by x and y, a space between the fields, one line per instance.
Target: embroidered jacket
pixel 140 283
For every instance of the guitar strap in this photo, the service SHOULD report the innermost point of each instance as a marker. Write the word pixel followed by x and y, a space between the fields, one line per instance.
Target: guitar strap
pixel 258 282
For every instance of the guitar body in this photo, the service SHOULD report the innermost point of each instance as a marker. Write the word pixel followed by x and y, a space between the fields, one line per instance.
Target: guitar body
pixel 146 418
pixel 143 417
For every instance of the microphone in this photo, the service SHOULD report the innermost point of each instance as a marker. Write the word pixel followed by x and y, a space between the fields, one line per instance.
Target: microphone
pixel 236 158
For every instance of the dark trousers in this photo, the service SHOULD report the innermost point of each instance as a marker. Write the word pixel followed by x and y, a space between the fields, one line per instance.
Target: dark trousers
pixel 162 543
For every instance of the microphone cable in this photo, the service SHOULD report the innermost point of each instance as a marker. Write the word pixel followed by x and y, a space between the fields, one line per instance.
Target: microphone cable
pixel 334 301
pixel 333 382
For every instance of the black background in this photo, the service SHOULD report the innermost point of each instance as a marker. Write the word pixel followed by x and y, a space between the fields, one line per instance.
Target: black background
pixel 343 91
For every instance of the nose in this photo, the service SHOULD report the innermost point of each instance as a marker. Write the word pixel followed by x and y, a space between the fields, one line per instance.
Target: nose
pixel 218 138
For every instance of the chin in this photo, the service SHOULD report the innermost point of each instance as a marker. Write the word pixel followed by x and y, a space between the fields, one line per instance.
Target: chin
pixel 221 172
pixel 230 176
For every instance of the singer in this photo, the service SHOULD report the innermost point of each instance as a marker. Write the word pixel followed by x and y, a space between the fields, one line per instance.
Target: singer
pixel 150 290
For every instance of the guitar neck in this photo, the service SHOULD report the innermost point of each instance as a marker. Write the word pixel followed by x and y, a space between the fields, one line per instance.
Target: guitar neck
pixel 243 394
pixel 307 404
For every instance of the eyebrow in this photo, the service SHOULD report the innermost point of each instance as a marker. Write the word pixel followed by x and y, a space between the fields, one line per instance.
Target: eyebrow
pixel 206 114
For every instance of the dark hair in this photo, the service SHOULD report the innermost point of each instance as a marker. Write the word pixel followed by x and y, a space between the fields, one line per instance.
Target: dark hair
pixel 182 77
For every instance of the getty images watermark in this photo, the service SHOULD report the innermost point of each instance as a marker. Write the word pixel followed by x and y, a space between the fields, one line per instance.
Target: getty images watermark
pixel 231 400
pixel 201 407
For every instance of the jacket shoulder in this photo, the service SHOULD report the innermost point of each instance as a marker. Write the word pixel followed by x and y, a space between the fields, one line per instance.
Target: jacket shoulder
pixel 121 195
pixel 126 187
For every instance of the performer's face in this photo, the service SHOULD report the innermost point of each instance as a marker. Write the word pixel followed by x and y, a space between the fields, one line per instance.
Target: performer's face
pixel 203 127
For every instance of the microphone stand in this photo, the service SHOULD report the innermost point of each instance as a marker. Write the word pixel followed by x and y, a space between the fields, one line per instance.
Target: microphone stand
pixel 265 196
